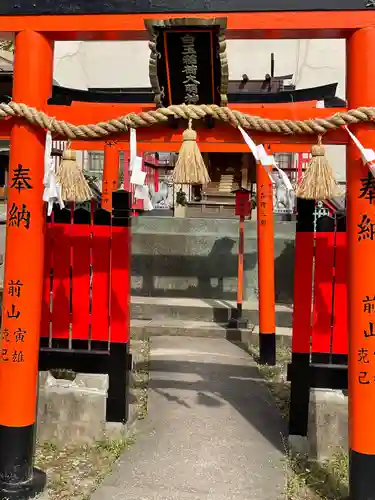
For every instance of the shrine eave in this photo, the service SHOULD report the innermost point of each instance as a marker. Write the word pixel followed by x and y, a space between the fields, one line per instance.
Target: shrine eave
pixel 65 96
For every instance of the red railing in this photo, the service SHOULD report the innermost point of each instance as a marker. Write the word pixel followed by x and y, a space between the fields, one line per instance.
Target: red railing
pixel 86 270
pixel 320 335
pixel 320 303
pixel 302 161
pixel 86 298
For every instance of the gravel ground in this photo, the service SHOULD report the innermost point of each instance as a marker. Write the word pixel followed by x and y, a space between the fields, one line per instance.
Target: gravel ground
pixel 306 479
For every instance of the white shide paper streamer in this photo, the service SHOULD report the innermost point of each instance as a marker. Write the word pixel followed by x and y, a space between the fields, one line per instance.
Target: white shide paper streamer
pixel 284 190
pixel 138 176
pixel 52 190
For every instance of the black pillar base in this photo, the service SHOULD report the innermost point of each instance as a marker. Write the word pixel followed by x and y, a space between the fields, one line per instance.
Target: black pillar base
pixel 24 491
pixel 236 319
pixel 267 349
pixel 361 476
pixel 299 376
pixel 18 479
pixel 238 323
pixel 119 383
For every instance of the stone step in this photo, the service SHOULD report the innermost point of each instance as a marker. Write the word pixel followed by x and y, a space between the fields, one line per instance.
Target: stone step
pixel 205 329
pixel 207 310
pixel 173 327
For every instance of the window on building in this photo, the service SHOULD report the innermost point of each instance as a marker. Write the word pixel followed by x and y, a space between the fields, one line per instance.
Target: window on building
pixel 284 160
pixel 95 164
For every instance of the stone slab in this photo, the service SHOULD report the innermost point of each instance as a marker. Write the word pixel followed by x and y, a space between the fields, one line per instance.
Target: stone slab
pixel 213 227
pixel 198 263
pixel 74 410
pixel 328 423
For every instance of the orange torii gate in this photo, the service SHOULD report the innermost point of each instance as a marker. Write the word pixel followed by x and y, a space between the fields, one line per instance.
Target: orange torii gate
pixel 36 25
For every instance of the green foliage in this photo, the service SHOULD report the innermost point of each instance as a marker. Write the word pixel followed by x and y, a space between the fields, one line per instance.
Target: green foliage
pixel 7 45
pixel 253 202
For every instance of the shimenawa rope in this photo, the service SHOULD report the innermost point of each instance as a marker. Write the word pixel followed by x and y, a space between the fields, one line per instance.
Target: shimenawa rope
pixel 195 112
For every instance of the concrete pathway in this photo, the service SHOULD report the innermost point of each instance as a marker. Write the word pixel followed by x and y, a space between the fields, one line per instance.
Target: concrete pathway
pixel 213 432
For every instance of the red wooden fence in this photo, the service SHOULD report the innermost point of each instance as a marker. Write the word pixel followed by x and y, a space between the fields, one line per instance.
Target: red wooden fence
pixel 320 336
pixel 86 298
pixel 87 279
pixel 320 303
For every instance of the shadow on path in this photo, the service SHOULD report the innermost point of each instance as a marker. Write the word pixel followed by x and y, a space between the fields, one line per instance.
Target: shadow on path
pixel 240 385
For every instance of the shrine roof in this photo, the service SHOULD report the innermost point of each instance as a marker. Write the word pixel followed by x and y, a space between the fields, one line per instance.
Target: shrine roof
pixel 65 96
pixel 252 92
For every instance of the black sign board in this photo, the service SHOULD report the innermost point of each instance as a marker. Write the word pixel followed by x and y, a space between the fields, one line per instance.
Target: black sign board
pixel 40 7
pixel 188 64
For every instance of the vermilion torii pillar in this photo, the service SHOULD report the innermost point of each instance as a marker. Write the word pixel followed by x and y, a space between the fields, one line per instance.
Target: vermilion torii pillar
pixel 110 173
pixel 361 283
pixel 266 267
pixel 23 280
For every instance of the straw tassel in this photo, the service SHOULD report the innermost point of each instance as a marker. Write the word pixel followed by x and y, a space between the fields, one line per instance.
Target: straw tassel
pixel 190 167
pixel 74 186
pixel 318 181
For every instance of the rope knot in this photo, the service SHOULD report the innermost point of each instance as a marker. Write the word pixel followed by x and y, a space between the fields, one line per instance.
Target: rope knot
pixel 318 150
pixel 189 134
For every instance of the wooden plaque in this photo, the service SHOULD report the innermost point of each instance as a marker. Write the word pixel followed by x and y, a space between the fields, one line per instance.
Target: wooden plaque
pixel 188 61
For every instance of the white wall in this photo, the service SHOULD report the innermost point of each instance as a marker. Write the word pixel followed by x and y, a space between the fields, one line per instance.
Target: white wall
pixel 70 65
